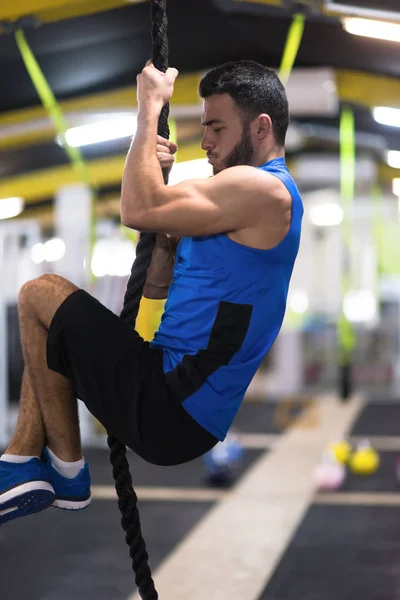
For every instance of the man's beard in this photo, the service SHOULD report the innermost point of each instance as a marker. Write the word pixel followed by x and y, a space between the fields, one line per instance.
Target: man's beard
pixel 242 154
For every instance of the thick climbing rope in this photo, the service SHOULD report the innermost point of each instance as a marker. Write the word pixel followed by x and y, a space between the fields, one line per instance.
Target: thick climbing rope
pixel 127 499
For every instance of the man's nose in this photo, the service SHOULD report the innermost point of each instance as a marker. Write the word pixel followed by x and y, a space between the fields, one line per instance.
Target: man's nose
pixel 207 143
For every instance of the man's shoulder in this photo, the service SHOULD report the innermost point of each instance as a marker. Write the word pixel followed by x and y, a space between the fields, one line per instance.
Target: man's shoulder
pixel 252 179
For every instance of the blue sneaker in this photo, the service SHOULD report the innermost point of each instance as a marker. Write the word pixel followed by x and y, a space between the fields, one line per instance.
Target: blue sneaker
pixel 70 494
pixel 25 489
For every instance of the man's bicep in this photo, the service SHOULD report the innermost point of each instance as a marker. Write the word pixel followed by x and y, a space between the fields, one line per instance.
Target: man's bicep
pixel 194 215
pixel 227 202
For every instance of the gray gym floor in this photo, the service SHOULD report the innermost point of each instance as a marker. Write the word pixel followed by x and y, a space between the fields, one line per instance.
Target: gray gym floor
pixel 346 546
pixel 349 552
pixel 57 555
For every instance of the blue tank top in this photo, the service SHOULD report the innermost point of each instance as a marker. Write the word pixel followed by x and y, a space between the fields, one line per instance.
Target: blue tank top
pixel 224 310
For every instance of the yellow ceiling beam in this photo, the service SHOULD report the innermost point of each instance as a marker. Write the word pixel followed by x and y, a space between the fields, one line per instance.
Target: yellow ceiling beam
pixel 44 184
pixel 387 173
pixel 185 92
pixel 190 152
pixel 368 90
pixel 57 10
pixel 20 128
pixel 106 206
pixel 125 97
pixel 35 186
pixel 28 138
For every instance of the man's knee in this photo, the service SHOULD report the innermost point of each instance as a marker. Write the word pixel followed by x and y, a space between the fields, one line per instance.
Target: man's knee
pixel 26 292
pixel 46 287
pixel 55 281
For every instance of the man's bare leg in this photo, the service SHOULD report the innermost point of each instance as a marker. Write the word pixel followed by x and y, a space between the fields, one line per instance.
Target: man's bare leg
pixel 39 299
pixel 29 434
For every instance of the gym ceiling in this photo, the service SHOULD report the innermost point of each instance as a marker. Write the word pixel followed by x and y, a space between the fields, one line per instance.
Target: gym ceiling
pixel 91 51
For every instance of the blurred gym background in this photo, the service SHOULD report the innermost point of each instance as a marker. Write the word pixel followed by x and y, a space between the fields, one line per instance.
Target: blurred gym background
pixel 337 357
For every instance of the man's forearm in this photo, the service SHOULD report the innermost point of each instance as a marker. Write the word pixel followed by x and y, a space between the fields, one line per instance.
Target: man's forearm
pixel 159 273
pixel 142 181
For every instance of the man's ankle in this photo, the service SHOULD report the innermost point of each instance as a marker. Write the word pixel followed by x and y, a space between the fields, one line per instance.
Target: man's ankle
pixel 16 449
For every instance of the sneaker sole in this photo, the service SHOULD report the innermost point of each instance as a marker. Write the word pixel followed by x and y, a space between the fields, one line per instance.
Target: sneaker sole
pixel 71 504
pixel 26 499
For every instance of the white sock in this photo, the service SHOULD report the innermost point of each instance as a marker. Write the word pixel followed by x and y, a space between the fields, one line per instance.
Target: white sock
pixel 66 469
pixel 16 458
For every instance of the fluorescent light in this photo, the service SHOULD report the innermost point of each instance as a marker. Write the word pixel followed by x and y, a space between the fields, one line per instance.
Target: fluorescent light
pixel 393 159
pixel 326 215
pixel 396 186
pixel 387 116
pixel 359 306
pixel 50 251
pixel 124 255
pixel 191 169
pixel 381 30
pixel 112 256
pixel 100 259
pixel 102 131
pixel 37 253
pixel 53 250
pixel 298 301
pixel 11 207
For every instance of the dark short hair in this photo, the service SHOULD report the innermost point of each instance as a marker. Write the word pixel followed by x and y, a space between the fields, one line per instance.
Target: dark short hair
pixel 254 88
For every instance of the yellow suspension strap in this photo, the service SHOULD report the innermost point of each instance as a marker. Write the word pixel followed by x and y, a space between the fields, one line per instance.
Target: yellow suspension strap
pixel 290 52
pixel 292 45
pixel 345 332
pixel 377 235
pixel 55 113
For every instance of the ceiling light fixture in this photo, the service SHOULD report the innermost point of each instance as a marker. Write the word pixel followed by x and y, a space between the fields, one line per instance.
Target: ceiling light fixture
pixel 381 30
pixel 11 207
pixel 387 116
pixel 326 215
pixel 102 131
pixel 393 159
pixel 191 169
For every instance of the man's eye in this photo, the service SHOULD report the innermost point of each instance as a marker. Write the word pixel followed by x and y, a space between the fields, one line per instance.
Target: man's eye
pixel 217 130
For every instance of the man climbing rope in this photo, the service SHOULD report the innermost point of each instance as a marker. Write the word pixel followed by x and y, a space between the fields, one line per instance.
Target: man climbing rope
pixel 170 400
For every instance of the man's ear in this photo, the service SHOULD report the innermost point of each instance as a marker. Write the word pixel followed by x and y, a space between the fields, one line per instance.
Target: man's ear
pixel 264 126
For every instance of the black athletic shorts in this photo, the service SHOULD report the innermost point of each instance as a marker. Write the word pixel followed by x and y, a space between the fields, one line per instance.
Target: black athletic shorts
pixel 120 378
